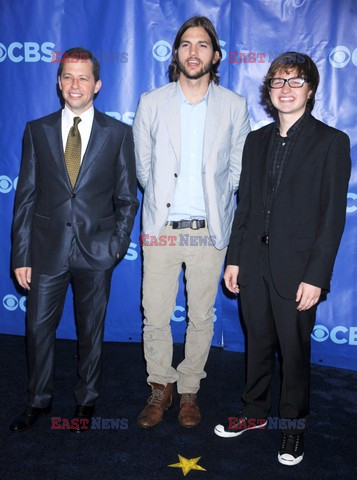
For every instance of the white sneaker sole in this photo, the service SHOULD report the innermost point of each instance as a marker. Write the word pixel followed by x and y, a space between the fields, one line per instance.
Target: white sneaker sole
pixel 289 460
pixel 221 432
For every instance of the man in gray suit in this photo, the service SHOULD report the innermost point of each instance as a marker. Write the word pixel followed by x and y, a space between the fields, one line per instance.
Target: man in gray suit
pixel 189 137
pixel 74 210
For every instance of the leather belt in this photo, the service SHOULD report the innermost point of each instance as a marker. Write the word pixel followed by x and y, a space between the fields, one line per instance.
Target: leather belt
pixel 193 224
pixel 265 239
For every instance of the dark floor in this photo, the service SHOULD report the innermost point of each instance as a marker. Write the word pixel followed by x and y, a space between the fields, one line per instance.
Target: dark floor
pixel 135 454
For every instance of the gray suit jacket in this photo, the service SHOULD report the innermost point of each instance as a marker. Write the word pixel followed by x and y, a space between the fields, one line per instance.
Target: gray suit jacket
pixel 99 211
pixel 157 149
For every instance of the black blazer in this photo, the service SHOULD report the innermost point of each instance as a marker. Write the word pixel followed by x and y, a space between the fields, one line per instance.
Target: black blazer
pixel 99 211
pixel 308 213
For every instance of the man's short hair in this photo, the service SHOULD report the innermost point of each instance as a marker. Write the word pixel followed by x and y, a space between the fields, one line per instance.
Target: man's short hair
pixel 204 22
pixel 80 54
pixel 286 62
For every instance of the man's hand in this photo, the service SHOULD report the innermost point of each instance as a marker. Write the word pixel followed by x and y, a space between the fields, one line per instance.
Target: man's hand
pixel 308 295
pixel 230 278
pixel 23 276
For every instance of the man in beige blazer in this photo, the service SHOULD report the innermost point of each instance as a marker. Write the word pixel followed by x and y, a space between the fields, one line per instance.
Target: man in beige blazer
pixel 189 137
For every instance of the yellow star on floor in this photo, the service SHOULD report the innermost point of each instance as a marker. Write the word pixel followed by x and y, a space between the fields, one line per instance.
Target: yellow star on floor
pixel 187 464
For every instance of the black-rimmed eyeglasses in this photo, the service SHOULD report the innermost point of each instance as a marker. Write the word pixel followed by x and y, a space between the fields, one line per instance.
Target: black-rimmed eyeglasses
pixel 294 82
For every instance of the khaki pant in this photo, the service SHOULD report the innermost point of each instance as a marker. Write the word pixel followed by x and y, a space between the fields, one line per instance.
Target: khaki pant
pixel 162 266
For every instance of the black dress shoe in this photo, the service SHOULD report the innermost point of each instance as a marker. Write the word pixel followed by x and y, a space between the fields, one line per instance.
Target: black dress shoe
pixel 82 418
pixel 28 418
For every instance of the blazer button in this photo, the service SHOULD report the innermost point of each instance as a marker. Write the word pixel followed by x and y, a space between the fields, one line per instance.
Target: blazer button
pixel 69 224
pixel 175 175
pixel 168 205
pixel 73 195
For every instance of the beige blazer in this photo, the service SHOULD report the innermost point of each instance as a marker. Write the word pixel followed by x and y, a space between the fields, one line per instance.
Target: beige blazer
pixel 156 131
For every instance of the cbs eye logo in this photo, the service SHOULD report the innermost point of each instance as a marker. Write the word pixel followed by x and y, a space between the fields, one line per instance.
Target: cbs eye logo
pixel 3 52
pixel 351 202
pixel 6 184
pixel 320 333
pixel 340 56
pixel 161 51
pixel 11 302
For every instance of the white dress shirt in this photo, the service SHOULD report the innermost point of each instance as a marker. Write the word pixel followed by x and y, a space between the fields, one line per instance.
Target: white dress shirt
pixel 84 127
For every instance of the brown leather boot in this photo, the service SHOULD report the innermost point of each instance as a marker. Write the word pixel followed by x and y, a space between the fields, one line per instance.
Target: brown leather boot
pixel 190 415
pixel 160 400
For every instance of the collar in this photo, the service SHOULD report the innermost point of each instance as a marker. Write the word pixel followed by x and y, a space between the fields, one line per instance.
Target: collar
pixel 86 117
pixel 295 127
pixel 183 99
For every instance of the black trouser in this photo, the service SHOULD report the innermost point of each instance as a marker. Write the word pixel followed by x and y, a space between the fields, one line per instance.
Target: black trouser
pixel 273 321
pixel 44 310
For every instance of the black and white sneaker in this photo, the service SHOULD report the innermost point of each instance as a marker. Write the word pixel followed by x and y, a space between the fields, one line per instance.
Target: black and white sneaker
pixel 235 426
pixel 291 450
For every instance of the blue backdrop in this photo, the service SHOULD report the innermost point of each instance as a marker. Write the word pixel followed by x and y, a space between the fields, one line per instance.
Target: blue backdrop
pixel 132 40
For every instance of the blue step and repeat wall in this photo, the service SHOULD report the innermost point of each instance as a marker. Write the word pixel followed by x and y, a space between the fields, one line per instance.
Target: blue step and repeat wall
pixel 132 39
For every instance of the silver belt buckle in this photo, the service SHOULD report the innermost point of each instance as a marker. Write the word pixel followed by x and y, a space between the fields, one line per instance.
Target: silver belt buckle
pixel 194 224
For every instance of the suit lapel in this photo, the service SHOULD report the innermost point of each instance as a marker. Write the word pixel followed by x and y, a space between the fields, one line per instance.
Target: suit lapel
pixel 215 108
pixel 172 116
pixel 95 143
pixel 265 146
pixel 53 134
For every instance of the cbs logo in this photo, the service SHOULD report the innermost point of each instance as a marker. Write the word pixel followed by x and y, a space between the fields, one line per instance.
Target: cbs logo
pixel 338 334
pixel 161 51
pixel 28 52
pixel 341 55
pixel 6 184
pixel 351 202
pixel 11 302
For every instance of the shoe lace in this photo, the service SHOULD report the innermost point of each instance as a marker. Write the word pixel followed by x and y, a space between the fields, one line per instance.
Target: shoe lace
pixel 156 397
pixel 188 398
pixel 295 438
pixel 297 442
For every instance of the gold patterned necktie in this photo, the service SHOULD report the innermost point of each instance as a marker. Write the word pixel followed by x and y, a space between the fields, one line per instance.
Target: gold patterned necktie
pixel 72 154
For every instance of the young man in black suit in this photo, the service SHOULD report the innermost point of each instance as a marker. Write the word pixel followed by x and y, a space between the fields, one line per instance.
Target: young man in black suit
pixel 74 210
pixel 285 236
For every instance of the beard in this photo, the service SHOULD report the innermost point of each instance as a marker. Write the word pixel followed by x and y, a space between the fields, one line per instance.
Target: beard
pixel 205 69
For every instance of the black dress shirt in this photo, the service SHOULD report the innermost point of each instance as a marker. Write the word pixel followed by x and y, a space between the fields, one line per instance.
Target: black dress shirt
pixel 280 153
